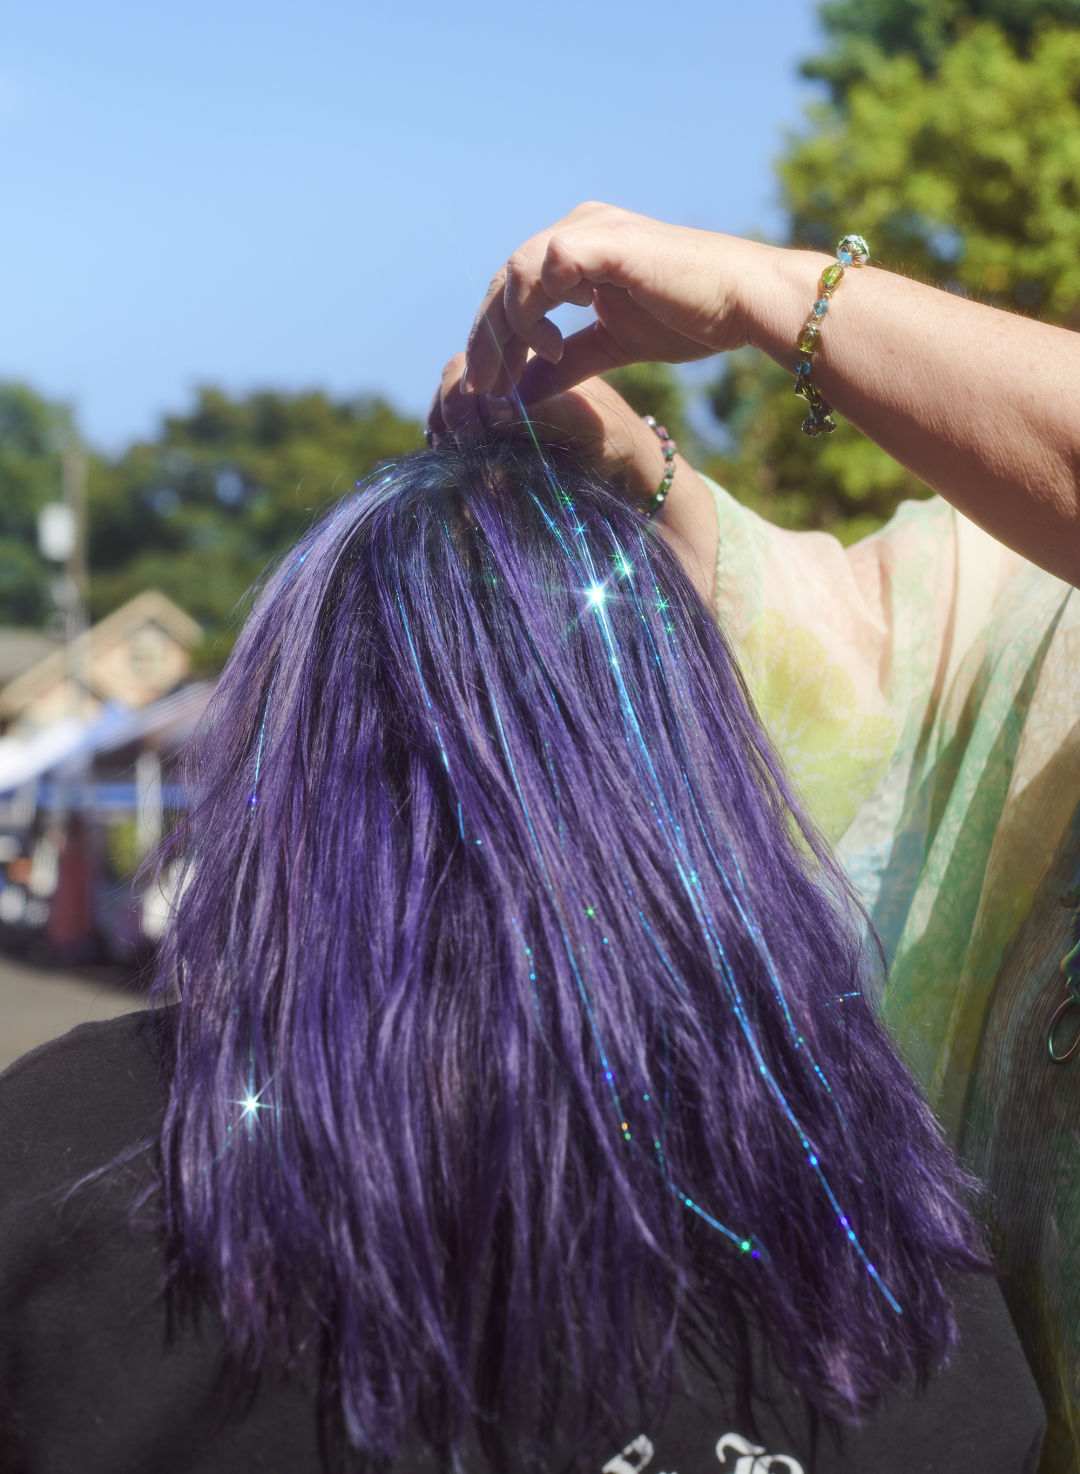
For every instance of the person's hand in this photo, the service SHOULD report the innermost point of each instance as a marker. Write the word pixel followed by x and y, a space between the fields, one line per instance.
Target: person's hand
pixel 661 293
pixel 593 416
pixel 625 451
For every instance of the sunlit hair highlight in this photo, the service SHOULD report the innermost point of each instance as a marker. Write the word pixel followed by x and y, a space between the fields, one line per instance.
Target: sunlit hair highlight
pixel 523 1032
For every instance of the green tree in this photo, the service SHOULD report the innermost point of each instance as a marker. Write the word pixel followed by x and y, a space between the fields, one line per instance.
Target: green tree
pixel 971 176
pixel 862 31
pixel 201 510
pixel 960 163
pixel 33 433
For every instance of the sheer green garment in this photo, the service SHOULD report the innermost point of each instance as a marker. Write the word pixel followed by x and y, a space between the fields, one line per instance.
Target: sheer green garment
pixel 922 688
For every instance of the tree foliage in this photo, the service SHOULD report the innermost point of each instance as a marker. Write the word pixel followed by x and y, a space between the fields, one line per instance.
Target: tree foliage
pixel 960 162
pixel 972 176
pixel 862 31
pixel 33 434
pixel 199 511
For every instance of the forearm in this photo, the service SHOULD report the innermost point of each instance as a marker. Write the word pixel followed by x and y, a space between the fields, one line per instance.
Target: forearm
pixel 982 405
pixel 688 517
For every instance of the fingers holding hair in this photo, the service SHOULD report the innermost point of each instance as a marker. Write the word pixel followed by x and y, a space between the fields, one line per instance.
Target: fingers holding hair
pixel 459 417
pixel 560 265
pixel 512 318
pixel 452 413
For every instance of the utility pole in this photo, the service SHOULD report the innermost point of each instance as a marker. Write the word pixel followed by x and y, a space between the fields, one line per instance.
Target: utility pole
pixel 62 539
pixel 73 483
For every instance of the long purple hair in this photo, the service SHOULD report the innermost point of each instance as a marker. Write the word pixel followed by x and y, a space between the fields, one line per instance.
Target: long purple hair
pixel 523 1032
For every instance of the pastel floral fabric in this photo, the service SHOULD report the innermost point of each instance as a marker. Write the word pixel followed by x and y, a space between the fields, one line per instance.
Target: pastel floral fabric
pixel 923 688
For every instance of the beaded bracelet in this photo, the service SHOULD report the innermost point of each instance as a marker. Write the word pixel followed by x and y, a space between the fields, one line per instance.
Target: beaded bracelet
pixel 852 251
pixel 669 448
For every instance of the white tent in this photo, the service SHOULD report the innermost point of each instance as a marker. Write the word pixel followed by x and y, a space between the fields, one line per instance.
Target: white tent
pixel 23 759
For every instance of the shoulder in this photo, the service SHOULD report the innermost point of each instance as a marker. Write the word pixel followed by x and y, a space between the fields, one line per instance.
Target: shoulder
pixel 73 1103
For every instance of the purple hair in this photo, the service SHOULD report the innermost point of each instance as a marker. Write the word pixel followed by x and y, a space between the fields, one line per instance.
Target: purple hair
pixel 523 1031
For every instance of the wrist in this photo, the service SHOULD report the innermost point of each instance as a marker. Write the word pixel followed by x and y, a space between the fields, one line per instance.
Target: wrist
pixel 777 294
pixel 687 519
pixel 645 465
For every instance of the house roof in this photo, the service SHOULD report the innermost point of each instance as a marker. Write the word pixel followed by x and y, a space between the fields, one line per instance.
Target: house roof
pixel 20 649
pixel 165 724
pixel 151 606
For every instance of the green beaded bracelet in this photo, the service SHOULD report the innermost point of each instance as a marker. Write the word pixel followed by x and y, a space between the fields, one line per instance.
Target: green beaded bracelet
pixel 852 251
pixel 668 446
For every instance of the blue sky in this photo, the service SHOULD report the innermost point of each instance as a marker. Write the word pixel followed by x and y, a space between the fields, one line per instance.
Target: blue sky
pixel 256 194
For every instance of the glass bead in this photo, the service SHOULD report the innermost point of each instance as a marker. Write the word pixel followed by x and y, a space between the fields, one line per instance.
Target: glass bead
pixel 803 367
pixel 819 421
pixel 856 247
pixel 807 339
pixel 844 258
pixel 831 278
pixel 663 434
pixel 821 306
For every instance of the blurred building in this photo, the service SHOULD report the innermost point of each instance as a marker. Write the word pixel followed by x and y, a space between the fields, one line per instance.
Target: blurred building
pixel 20 649
pixel 127 660
pixel 91 733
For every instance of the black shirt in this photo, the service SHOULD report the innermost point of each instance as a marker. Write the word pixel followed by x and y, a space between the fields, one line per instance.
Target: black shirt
pixel 94 1380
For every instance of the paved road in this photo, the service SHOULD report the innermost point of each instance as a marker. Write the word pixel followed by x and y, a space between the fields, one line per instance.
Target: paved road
pixel 37 1004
